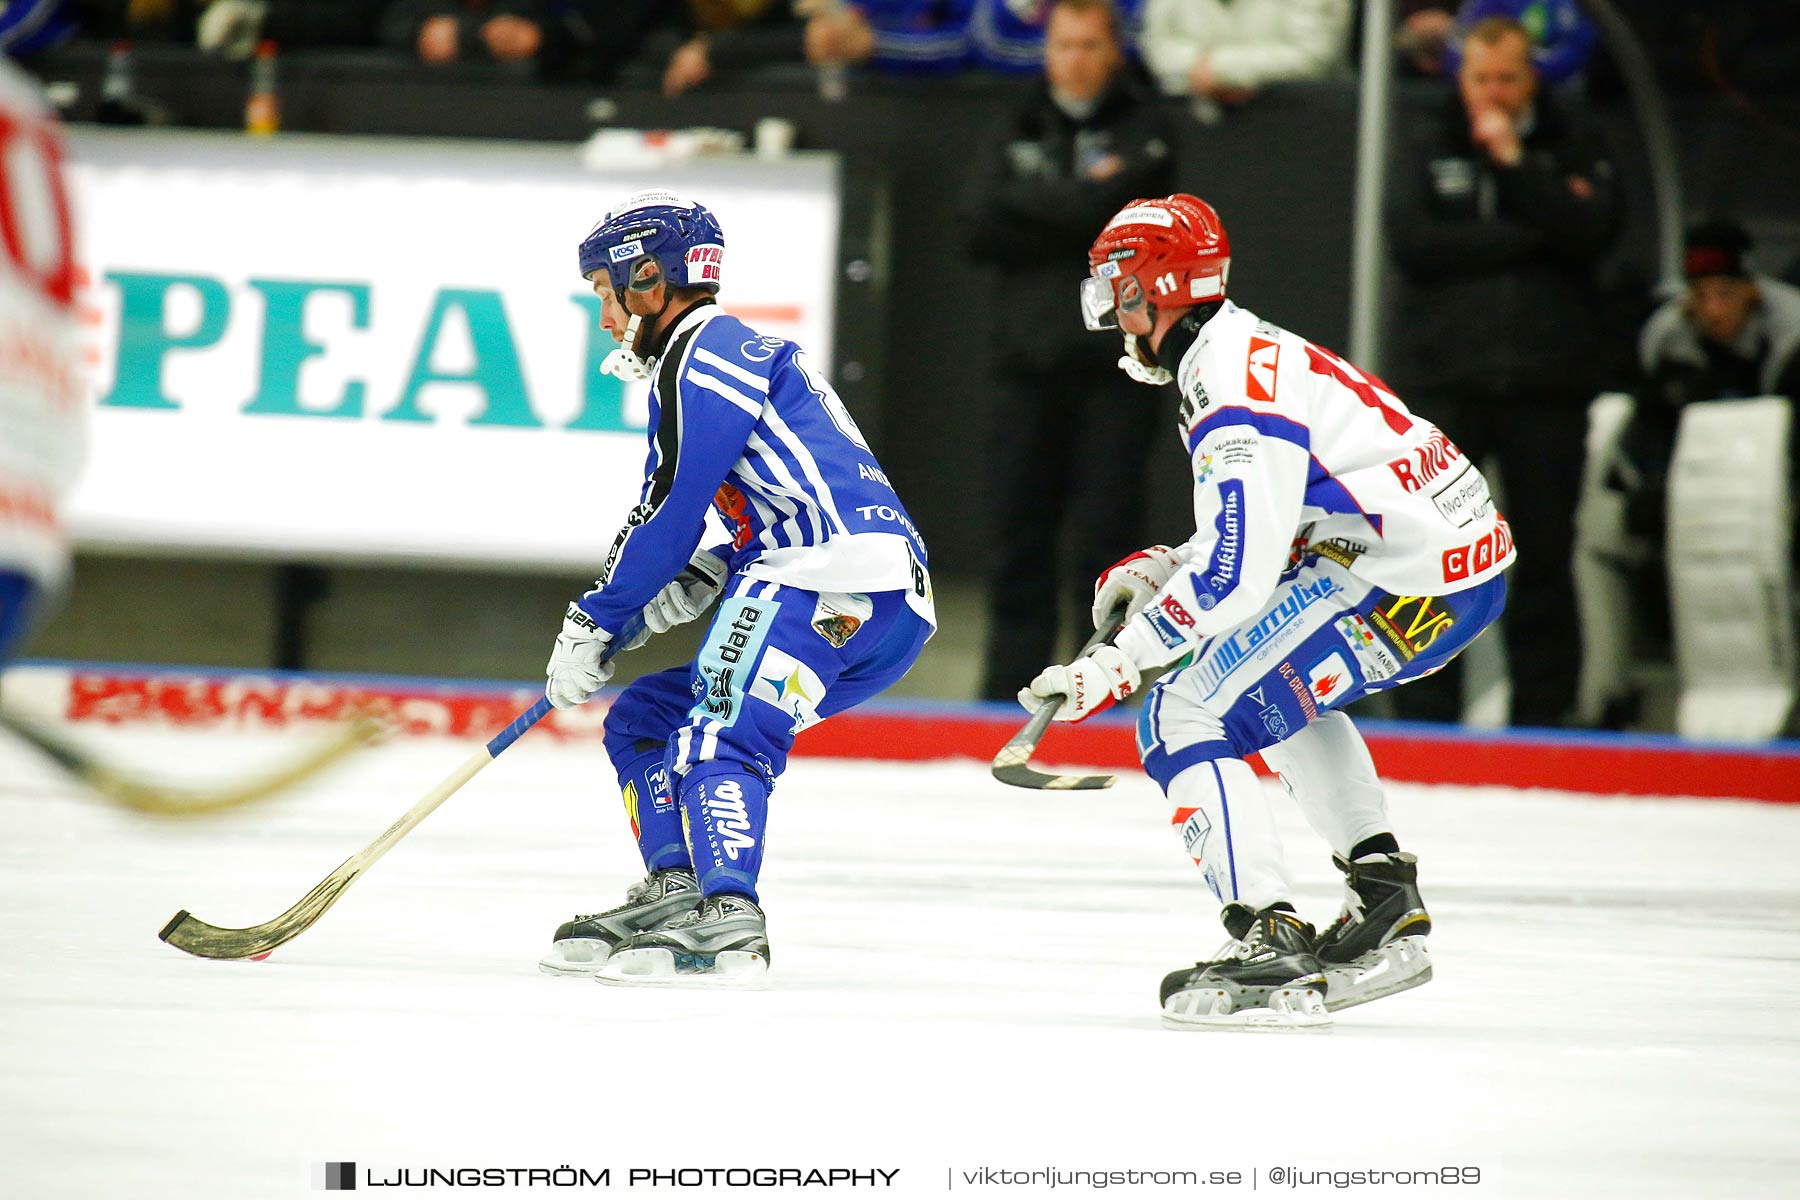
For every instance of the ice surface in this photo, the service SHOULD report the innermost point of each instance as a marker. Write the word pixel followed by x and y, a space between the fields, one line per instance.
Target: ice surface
pixel 965 976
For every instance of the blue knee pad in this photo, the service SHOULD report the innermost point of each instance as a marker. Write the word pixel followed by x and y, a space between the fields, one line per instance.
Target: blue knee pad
pixel 637 731
pixel 725 810
pixel 655 817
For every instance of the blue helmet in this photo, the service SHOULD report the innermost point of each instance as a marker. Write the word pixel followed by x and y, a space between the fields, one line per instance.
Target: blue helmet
pixel 682 238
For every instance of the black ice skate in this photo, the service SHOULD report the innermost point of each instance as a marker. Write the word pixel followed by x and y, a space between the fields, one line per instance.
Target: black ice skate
pixel 584 943
pixel 1377 947
pixel 725 943
pixel 1269 979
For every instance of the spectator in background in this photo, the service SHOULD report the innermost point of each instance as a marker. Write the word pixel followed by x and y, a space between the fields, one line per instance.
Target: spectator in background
pixel 1731 335
pixel 592 39
pixel 1502 210
pixel 1008 35
pixel 1070 435
pixel 1563 38
pixel 446 31
pixel 1222 51
pixel 731 34
pixel 890 35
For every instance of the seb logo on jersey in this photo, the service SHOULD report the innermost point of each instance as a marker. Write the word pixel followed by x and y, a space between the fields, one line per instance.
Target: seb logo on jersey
pixel 1259 375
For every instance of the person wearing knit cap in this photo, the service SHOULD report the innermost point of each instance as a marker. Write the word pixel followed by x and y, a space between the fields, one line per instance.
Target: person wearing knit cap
pixel 1729 334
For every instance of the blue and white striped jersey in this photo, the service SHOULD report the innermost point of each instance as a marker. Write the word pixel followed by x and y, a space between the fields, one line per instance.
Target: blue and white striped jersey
pixel 747 426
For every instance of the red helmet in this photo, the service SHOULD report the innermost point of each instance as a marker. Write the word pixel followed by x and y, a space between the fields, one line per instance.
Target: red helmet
pixel 1171 252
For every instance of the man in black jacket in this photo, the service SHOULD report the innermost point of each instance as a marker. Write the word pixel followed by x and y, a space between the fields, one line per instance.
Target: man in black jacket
pixel 1499 218
pixel 1069 436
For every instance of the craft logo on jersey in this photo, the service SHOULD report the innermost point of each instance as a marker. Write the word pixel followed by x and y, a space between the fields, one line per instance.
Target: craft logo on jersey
pixel 1259 378
pixel 1479 555
pixel 790 685
pixel 1330 680
pixel 727 816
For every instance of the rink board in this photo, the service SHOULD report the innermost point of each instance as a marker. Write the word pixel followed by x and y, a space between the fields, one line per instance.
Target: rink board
pixel 1601 764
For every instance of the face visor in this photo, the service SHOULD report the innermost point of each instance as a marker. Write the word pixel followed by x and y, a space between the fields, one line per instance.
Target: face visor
pixel 1106 295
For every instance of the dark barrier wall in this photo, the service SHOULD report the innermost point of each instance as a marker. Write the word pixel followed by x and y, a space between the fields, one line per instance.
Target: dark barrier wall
pixel 915 316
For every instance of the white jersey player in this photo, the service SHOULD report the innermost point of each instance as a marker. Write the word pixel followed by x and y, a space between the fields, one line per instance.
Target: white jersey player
pixel 41 419
pixel 1343 545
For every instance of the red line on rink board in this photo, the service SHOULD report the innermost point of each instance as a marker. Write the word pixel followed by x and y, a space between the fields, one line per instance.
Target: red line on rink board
pixel 1604 764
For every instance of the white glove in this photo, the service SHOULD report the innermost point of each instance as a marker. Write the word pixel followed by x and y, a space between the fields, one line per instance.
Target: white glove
pixel 1134 579
pixel 1087 685
pixel 688 595
pixel 575 672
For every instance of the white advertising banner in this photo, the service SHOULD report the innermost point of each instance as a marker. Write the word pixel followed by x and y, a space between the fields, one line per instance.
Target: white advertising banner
pixel 380 349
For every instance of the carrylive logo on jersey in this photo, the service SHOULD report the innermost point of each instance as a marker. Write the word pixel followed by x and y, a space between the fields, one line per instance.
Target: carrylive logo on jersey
pixel 1226 653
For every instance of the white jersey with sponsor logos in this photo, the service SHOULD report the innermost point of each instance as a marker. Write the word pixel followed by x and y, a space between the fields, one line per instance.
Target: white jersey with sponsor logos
pixel 1297 452
pixel 41 417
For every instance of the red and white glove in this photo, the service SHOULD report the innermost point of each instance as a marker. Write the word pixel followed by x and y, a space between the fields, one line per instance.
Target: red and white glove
pixel 1134 579
pixel 1087 685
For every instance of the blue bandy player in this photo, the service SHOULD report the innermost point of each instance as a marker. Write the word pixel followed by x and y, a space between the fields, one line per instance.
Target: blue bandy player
pixel 824 598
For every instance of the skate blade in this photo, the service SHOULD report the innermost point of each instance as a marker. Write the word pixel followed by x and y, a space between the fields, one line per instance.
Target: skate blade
pixel 576 958
pixel 1395 967
pixel 1288 1010
pixel 657 966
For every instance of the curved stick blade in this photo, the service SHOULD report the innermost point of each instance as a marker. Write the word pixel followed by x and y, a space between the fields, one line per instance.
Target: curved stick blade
pixel 187 932
pixel 1013 764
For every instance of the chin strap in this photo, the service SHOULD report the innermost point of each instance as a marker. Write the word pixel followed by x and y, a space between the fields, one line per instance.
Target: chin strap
pixel 1134 365
pixel 624 362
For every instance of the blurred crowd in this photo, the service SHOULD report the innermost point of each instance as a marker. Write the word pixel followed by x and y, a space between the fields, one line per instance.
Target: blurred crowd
pixel 1218 51
pixel 1503 204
